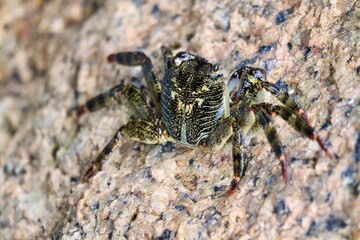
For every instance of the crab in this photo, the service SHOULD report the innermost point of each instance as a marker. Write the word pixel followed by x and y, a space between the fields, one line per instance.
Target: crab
pixel 196 108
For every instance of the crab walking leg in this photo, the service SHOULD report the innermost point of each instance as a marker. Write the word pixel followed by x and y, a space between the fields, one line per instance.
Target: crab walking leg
pixel 299 124
pixel 285 98
pixel 218 137
pixel 245 122
pixel 140 59
pixel 253 80
pixel 96 165
pixel 238 159
pixel 131 94
pixel 136 129
pixel 111 97
pixel 266 121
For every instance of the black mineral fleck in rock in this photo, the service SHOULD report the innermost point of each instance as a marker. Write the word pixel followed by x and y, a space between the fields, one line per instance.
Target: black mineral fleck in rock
pixel 180 208
pixel 95 205
pixel 280 207
pixel 333 223
pixel 325 125
pixel 266 48
pixel 166 235
pixel 282 16
pixel 312 229
pixel 357 148
pixel 167 147
pixel 245 63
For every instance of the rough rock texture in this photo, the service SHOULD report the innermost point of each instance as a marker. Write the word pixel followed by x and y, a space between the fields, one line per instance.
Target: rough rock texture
pixel 53 57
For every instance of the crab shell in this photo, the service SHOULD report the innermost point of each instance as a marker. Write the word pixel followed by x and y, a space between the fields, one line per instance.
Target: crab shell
pixel 194 98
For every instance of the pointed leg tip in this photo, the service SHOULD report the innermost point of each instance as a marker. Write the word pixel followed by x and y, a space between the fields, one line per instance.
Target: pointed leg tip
pixel 234 185
pixel 286 180
pixel 111 58
pixel 322 146
pixel 89 173
pixel 284 169
pixel 80 111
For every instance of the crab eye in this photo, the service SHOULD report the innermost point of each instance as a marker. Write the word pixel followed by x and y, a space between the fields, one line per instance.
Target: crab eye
pixel 216 68
pixel 182 56
pixel 259 74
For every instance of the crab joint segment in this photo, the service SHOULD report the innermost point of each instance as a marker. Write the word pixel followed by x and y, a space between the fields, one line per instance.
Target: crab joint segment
pixel 218 137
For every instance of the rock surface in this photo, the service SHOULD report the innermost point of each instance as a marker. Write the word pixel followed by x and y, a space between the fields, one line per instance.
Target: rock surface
pixel 53 57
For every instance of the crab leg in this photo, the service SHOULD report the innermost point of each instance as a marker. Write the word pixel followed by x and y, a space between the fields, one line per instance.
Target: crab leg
pixel 238 159
pixel 300 124
pixel 131 94
pixel 218 137
pixel 245 121
pixel 285 98
pixel 140 59
pixel 136 129
pixel 266 121
pixel 96 165
pixel 252 81
pixel 141 129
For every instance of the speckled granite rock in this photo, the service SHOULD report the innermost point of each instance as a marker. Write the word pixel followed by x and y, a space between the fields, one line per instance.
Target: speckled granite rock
pixel 53 57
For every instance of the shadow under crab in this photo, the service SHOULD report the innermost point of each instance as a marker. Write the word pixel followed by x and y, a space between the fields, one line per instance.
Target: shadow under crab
pixel 194 107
